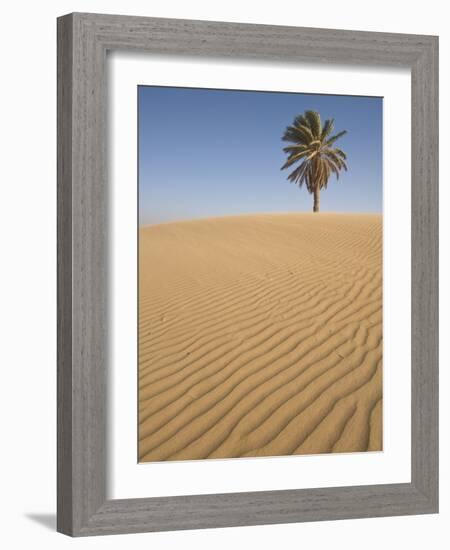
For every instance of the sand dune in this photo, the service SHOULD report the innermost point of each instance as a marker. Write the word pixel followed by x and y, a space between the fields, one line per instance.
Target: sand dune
pixel 260 335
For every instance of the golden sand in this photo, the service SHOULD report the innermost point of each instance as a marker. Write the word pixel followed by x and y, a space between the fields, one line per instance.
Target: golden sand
pixel 260 335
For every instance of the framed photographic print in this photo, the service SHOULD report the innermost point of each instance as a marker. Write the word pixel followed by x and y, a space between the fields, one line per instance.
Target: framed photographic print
pixel 247 274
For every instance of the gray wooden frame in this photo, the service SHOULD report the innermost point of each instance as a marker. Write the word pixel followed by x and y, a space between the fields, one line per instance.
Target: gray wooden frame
pixel 83 40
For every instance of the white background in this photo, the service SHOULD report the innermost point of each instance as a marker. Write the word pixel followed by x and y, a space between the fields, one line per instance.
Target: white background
pixel 131 480
pixel 28 268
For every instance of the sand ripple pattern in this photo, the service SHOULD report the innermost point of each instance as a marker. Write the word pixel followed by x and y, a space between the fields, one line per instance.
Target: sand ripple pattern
pixel 260 335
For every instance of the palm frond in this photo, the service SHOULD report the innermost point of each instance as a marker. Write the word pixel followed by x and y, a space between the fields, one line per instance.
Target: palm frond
pixel 297 148
pixel 294 158
pixel 297 175
pixel 327 129
pixel 300 120
pixel 335 137
pixel 330 154
pixel 306 131
pixel 313 119
pixel 340 153
pixel 298 134
pixel 334 168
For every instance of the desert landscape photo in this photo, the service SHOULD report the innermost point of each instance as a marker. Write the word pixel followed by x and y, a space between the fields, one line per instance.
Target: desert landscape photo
pixel 260 274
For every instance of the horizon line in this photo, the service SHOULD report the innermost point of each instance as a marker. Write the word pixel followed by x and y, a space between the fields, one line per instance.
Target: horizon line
pixel 303 212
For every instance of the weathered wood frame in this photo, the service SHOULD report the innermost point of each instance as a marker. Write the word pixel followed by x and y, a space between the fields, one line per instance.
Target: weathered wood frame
pixel 83 40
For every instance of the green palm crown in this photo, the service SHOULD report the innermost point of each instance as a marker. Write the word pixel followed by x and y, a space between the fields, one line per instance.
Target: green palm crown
pixel 313 148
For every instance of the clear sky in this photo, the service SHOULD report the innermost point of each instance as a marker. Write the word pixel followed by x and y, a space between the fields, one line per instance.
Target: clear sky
pixel 219 152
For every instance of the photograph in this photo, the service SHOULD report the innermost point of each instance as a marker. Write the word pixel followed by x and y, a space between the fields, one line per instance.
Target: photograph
pixel 260 274
pixel 221 254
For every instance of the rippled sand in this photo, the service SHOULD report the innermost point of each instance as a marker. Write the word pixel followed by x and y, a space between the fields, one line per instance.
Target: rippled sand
pixel 260 335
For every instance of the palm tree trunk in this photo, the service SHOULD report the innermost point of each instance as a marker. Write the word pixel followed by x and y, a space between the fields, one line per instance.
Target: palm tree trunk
pixel 316 199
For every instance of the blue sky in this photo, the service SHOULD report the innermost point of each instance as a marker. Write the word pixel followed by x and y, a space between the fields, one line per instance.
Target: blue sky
pixel 219 152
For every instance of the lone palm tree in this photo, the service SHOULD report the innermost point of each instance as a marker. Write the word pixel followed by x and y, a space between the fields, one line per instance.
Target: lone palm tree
pixel 313 147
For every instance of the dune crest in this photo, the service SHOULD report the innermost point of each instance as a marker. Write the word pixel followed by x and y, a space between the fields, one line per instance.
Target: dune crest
pixel 260 335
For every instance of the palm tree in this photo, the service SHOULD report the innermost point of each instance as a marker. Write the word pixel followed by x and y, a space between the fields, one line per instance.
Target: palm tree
pixel 312 146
